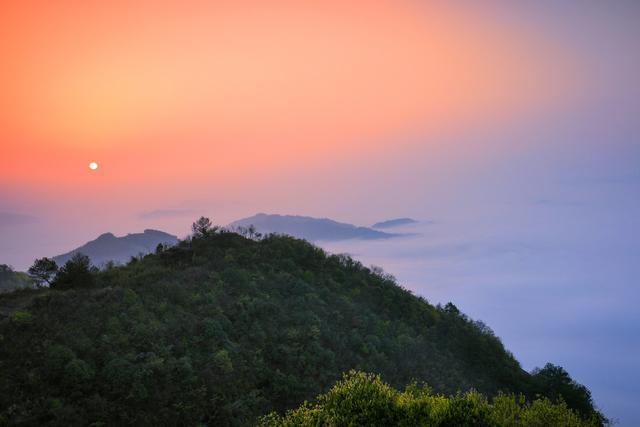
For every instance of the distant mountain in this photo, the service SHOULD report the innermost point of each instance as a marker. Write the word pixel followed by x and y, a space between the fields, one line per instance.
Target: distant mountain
pixel 394 222
pixel 108 247
pixel 308 228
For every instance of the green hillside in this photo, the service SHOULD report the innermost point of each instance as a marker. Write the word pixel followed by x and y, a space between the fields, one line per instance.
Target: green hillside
pixel 11 280
pixel 222 329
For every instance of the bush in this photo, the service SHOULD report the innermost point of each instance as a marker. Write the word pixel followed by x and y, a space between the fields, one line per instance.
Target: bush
pixel 22 318
pixel 361 399
pixel 77 371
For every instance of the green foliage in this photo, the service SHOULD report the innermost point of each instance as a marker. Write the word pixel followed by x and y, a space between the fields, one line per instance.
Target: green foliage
pixel 553 381
pixel 361 399
pixel 75 273
pixel 202 227
pixel 58 356
pixel 77 371
pixel 43 271
pixel 22 318
pixel 221 329
pixel 222 361
pixel 11 280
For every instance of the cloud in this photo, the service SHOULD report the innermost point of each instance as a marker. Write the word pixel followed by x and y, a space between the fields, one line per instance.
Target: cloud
pixel 165 213
pixel 8 219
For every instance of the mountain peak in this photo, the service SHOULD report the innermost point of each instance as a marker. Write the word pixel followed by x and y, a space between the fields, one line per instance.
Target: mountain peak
pixel 394 222
pixel 107 247
pixel 309 228
pixel 106 236
pixel 152 231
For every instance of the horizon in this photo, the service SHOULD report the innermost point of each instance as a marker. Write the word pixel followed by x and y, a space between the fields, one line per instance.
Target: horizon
pixel 24 264
pixel 512 128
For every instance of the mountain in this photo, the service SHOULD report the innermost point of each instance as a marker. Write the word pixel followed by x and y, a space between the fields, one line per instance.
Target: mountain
pixel 312 229
pixel 221 329
pixel 394 222
pixel 108 247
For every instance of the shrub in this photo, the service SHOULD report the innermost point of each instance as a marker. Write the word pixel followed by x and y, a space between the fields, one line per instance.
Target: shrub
pixel 361 399
pixel 22 318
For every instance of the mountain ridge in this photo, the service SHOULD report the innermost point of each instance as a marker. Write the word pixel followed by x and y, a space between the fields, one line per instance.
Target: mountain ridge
pixel 309 228
pixel 394 222
pixel 220 329
pixel 107 247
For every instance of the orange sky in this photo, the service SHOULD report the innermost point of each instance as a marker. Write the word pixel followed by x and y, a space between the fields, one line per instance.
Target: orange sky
pixel 182 91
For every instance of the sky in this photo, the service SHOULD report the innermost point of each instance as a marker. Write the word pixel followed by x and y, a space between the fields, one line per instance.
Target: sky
pixel 512 126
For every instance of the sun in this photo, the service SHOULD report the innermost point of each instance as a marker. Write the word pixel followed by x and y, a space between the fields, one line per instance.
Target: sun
pixel 93 166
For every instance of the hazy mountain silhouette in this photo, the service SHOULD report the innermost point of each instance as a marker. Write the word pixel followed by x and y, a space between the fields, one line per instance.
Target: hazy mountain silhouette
pixel 313 229
pixel 395 222
pixel 108 247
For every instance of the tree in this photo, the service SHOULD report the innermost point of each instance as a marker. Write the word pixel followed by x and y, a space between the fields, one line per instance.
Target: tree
pixel 43 271
pixel 249 232
pixel 75 273
pixel 554 382
pixel 5 270
pixel 451 308
pixel 203 227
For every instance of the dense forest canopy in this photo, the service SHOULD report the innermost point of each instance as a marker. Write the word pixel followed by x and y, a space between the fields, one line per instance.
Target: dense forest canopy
pixel 223 328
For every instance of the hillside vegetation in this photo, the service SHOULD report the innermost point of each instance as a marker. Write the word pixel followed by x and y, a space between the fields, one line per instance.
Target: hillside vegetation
pixel 11 280
pixel 365 400
pixel 221 329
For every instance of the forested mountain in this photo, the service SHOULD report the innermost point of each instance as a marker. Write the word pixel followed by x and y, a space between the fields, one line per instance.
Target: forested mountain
pixel 308 228
pixel 108 247
pixel 221 329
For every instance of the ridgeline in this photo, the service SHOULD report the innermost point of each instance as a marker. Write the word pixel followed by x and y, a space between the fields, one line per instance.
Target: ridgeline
pixel 222 329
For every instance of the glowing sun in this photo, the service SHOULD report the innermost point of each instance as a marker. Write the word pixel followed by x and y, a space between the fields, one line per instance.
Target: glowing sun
pixel 93 166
